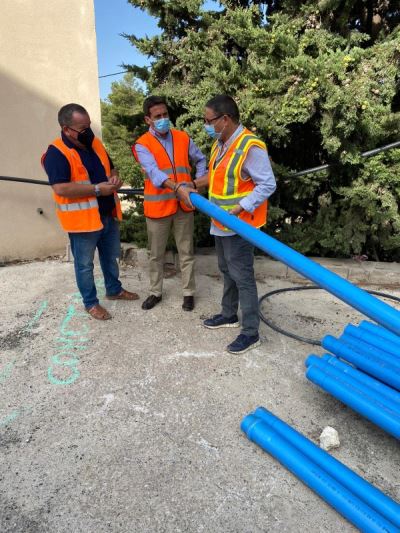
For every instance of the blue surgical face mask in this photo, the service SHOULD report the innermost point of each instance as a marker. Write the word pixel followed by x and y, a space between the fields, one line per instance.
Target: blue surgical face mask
pixel 210 129
pixel 162 125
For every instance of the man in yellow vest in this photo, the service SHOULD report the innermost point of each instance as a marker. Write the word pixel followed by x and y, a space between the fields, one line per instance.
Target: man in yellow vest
pixel 165 155
pixel 84 186
pixel 240 180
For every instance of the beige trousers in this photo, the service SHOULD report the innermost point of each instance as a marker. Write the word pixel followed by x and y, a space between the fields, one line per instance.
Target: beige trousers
pixel 157 232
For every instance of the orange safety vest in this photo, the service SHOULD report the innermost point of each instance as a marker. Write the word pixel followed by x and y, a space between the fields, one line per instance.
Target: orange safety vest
pixel 81 214
pixel 159 202
pixel 227 185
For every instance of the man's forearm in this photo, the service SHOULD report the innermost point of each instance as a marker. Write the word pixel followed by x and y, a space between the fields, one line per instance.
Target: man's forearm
pixel 169 184
pixel 74 190
pixel 201 182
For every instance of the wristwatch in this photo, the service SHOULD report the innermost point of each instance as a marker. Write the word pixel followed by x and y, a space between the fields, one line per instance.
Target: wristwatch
pixel 97 190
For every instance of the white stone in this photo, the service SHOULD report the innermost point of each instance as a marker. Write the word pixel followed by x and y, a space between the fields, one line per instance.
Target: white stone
pixel 329 439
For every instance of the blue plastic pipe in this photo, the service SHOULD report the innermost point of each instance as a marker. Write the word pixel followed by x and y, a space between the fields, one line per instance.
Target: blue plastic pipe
pixel 334 493
pixel 371 382
pixel 361 387
pixel 341 389
pixel 374 366
pixel 381 332
pixel 364 348
pixel 377 310
pixel 372 496
pixel 372 339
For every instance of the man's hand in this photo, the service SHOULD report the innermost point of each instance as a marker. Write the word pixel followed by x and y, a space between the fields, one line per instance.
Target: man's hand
pixel 114 180
pixel 107 188
pixel 183 194
pixel 236 210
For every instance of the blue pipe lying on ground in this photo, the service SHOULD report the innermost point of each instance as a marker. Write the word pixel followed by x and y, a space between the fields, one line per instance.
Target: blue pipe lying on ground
pixel 371 338
pixel 363 348
pixel 379 311
pixel 388 373
pixel 364 404
pixel 381 332
pixel 372 496
pixel 333 492
pixel 375 384
pixel 357 386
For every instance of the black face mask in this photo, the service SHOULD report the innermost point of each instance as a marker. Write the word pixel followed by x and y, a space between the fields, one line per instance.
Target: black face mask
pixel 85 137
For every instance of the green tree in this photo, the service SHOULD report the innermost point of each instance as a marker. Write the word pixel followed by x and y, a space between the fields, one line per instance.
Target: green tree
pixel 318 81
pixel 122 119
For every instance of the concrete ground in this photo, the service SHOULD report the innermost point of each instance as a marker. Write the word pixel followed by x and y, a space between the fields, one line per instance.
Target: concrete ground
pixel 132 425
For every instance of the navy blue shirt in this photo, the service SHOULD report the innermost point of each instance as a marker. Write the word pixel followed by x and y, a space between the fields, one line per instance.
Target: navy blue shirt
pixel 59 171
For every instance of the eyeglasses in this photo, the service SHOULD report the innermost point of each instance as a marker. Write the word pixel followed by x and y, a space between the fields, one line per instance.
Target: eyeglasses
pixel 211 120
pixel 78 131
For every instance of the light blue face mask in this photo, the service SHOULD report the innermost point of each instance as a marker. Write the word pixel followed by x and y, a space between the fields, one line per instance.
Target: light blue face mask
pixel 210 129
pixel 162 125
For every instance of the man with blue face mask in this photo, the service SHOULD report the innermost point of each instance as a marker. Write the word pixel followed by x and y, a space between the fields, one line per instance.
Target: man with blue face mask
pixel 165 155
pixel 240 180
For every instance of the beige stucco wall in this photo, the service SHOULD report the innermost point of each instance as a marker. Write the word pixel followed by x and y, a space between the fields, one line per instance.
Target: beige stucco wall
pixel 48 58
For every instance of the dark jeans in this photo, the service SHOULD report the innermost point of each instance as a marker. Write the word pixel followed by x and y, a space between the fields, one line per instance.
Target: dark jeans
pixel 235 261
pixel 83 246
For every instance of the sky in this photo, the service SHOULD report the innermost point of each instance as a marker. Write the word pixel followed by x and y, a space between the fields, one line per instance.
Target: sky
pixel 114 17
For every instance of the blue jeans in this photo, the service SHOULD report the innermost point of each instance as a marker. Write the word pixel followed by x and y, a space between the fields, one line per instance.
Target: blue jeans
pixel 235 261
pixel 83 246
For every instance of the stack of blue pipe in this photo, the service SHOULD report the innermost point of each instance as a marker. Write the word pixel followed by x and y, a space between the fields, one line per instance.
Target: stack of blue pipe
pixel 373 389
pixel 352 496
pixel 367 375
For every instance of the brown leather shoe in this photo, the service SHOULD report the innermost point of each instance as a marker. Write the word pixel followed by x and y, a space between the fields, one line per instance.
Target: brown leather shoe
pixel 188 303
pixel 124 295
pixel 98 312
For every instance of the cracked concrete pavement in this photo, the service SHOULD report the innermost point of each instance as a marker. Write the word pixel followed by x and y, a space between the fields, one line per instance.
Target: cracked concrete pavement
pixel 132 425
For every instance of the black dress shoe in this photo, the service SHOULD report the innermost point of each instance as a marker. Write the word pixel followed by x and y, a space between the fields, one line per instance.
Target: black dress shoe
pixel 188 303
pixel 151 301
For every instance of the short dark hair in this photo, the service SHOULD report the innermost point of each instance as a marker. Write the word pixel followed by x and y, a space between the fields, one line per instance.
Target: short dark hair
pixel 66 112
pixel 222 104
pixel 150 102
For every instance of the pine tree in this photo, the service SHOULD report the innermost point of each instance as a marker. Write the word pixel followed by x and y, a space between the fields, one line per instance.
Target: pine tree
pixel 318 81
pixel 122 119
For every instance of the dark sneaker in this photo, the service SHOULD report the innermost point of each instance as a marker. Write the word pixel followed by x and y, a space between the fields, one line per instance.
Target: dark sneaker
pixel 219 321
pixel 151 301
pixel 243 343
pixel 188 303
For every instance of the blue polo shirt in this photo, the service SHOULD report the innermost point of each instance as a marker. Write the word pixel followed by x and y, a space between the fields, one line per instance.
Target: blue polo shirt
pixel 59 171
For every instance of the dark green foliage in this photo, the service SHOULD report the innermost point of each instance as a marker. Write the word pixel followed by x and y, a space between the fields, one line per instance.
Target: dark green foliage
pixel 122 119
pixel 319 82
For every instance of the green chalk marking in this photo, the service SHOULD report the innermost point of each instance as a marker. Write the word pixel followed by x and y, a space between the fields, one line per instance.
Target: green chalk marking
pixel 9 418
pixel 37 316
pixel 6 373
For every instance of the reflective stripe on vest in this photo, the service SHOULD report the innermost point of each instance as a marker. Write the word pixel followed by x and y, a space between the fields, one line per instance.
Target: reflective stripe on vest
pixel 228 202
pixel 162 202
pixel 159 197
pixel 77 206
pixel 179 170
pixel 227 184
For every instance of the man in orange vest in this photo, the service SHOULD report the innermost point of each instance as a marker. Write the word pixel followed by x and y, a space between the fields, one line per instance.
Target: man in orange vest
pixel 240 179
pixel 165 155
pixel 84 186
